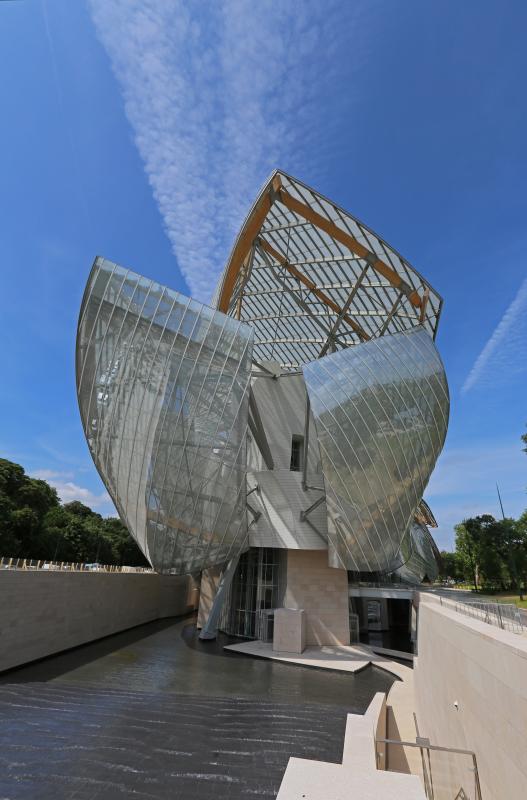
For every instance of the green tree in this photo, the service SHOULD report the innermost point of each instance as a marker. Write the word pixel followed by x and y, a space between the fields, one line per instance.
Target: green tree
pixel 450 566
pixel 515 545
pixel 33 524
pixel 493 552
pixel 125 549
pixel 470 546
pixel 24 502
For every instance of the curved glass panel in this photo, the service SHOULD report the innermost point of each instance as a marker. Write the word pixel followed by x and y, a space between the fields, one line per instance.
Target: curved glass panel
pixel 163 384
pixel 381 414
pixel 420 556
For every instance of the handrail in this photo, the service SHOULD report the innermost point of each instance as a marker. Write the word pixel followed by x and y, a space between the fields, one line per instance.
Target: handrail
pixel 502 615
pixel 60 566
pixel 427 746
pixel 423 745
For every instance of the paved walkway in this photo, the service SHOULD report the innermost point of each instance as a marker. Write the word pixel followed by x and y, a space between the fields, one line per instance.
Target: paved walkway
pixel 341 658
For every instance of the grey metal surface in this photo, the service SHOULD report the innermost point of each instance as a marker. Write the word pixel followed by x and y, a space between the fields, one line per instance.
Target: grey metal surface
pixel 163 384
pixel 381 414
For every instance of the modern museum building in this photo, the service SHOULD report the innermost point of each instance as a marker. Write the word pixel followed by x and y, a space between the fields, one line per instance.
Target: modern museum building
pixel 277 443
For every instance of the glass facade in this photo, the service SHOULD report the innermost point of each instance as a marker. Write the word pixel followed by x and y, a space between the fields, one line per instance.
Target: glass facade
pixel 381 414
pixel 258 586
pixel 310 278
pixel 163 388
pixel 420 556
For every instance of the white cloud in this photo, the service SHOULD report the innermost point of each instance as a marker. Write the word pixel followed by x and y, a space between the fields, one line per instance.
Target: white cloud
pixel 68 491
pixel 51 474
pixel 219 94
pixel 505 353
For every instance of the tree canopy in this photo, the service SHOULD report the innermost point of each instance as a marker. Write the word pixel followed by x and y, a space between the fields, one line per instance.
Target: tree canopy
pixel 35 524
pixel 490 553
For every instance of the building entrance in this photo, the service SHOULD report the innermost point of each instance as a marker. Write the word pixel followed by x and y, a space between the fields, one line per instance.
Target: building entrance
pixel 384 621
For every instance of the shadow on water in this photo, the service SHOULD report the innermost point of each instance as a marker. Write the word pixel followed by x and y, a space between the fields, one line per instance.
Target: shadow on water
pixel 55 665
pixel 167 656
pixel 153 713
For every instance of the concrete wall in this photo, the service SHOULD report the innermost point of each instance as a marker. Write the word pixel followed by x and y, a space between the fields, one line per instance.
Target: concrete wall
pixel 45 612
pixel 484 670
pixel 280 500
pixel 357 776
pixel 322 592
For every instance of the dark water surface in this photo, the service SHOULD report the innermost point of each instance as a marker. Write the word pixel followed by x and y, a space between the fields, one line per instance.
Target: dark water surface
pixel 155 713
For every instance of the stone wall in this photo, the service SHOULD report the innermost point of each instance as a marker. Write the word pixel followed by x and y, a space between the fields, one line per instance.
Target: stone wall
pixel 322 592
pixel 483 670
pixel 45 612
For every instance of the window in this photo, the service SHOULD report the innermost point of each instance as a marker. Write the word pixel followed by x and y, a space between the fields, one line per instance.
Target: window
pixel 297 453
pixel 257 586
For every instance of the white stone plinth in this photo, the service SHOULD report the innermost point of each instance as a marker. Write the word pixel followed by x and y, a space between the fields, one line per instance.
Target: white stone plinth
pixel 289 630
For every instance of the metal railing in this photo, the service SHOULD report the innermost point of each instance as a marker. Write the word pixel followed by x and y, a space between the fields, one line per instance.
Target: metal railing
pixel 502 615
pixel 65 566
pixel 447 773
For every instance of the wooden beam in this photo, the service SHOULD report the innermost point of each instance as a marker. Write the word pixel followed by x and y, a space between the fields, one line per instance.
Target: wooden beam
pixel 244 275
pixel 245 241
pixel 426 297
pixel 349 241
pixel 313 288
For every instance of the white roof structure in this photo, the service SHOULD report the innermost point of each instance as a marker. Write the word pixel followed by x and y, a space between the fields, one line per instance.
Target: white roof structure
pixel 309 278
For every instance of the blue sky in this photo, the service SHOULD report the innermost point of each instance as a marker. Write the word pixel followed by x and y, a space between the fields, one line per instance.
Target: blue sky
pixel 142 129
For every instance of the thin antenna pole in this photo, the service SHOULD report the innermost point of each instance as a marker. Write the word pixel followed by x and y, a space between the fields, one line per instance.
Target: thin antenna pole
pixel 499 498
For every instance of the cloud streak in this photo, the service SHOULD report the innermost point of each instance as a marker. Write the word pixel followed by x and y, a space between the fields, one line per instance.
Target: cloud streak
pixel 68 491
pixel 219 94
pixel 505 353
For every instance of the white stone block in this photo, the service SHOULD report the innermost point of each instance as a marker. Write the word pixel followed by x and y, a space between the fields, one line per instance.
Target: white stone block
pixel 289 630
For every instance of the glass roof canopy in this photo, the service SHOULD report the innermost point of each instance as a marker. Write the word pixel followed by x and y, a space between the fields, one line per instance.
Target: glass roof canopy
pixel 311 279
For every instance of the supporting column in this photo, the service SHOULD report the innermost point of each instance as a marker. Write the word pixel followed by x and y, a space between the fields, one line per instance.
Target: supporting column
pixel 210 628
pixel 306 444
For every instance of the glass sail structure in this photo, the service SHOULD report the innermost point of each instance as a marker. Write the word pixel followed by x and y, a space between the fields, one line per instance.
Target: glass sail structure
pixel 305 410
pixel 381 414
pixel 163 388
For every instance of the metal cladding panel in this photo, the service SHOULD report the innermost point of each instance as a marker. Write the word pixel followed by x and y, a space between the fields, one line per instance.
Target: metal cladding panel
pixel 381 413
pixel 419 554
pixel 280 500
pixel 163 386
pixel 282 406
